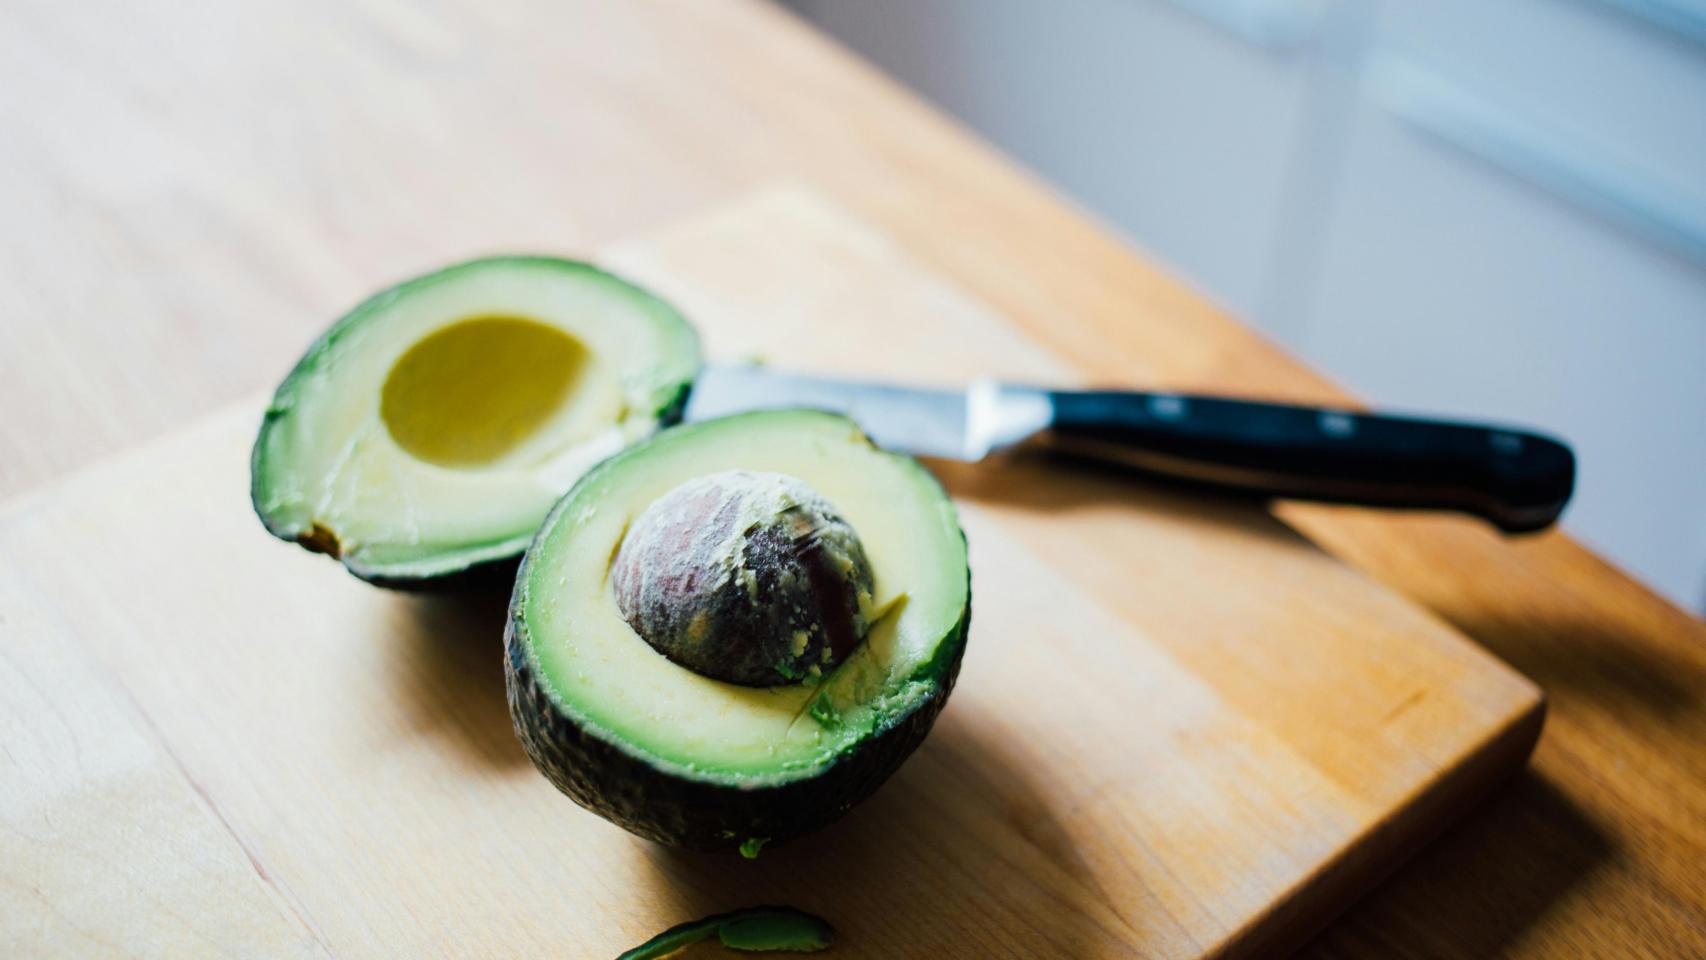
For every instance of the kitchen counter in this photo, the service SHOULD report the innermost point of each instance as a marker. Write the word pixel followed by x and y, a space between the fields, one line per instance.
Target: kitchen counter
pixel 193 192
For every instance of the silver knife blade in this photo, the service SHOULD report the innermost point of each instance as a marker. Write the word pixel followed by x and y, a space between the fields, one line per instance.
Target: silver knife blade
pixel 965 424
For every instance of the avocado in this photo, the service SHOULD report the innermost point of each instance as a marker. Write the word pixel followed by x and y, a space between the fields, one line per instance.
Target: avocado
pixel 755 929
pixel 791 626
pixel 431 428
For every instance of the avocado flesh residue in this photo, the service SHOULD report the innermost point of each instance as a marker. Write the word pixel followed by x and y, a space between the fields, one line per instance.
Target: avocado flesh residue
pixel 752 929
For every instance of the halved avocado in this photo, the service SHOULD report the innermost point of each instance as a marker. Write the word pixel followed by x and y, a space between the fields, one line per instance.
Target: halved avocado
pixel 685 759
pixel 431 428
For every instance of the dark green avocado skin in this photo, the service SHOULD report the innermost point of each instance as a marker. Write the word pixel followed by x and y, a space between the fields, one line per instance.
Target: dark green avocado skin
pixel 695 814
pixel 490 578
pixel 754 928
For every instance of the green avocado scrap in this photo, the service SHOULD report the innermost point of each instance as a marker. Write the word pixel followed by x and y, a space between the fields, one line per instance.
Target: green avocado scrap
pixel 753 929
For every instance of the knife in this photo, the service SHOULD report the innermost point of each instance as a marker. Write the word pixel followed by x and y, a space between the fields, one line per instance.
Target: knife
pixel 1517 479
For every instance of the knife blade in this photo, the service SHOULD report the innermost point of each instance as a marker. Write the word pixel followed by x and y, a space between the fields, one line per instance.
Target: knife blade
pixel 965 424
pixel 1515 478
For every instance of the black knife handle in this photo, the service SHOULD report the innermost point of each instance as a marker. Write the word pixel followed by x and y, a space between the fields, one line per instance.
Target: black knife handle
pixel 1517 479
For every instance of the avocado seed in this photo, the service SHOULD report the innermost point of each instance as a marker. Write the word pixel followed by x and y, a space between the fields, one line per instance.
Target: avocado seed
pixel 751 578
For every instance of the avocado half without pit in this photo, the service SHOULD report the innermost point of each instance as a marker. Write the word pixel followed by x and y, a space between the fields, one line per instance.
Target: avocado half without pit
pixel 430 429
pixel 728 634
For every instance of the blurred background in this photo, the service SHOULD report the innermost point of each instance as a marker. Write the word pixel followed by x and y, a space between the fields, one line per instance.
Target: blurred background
pixel 1489 209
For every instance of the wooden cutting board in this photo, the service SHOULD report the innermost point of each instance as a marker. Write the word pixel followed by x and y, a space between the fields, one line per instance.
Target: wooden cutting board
pixel 1181 730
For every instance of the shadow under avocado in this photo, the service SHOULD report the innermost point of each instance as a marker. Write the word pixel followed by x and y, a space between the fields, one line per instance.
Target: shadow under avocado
pixel 959 850
pixel 448 652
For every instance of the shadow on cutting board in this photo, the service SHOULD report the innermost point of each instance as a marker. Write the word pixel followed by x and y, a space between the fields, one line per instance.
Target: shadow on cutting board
pixel 1557 652
pixel 1477 889
pixel 1561 644
pixel 1058 483
pixel 448 650
pixel 1589 661
pixel 962 853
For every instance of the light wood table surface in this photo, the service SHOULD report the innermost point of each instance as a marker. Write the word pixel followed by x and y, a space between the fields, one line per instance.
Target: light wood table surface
pixel 190 191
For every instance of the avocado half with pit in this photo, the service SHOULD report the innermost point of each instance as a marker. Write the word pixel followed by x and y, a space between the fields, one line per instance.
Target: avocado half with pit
pixel 727 635
pixel 429 431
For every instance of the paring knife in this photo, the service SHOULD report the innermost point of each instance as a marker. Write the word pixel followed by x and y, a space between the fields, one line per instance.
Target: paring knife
pixel 1517 479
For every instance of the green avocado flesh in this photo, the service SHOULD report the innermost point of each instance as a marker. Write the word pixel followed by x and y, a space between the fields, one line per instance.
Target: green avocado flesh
pixel 693 761
pixel 431 428
pixel 753 929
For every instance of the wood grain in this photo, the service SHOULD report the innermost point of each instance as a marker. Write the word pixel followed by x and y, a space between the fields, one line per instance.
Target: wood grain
pixel 1181 731
pixel 192 190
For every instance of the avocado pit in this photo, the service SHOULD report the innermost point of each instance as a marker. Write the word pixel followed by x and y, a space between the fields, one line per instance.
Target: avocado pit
pixel 747 577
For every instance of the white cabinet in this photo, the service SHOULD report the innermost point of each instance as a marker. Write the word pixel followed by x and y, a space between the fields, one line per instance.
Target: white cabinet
pixel 1164 124
pixel 1487 209
pixel 1594 71
pixel 1447 283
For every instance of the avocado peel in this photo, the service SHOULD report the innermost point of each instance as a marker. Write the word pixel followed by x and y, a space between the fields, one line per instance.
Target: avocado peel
pixel 758 929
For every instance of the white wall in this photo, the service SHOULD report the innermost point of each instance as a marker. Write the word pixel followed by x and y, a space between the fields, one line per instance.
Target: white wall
pixel 1491 210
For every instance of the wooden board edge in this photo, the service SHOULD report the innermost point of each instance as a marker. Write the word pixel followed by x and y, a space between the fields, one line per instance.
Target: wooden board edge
pixel 1376 855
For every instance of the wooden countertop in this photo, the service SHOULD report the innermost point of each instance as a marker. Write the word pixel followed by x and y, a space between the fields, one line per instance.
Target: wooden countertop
pixel 193 190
